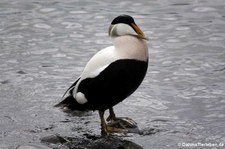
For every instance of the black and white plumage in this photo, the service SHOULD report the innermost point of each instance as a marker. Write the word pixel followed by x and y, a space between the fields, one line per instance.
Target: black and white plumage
pixel 113 73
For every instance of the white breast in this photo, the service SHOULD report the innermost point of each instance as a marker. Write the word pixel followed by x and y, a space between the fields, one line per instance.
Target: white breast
pixel 131 47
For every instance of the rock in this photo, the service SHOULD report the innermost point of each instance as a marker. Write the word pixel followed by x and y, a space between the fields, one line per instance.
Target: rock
pixel 91 142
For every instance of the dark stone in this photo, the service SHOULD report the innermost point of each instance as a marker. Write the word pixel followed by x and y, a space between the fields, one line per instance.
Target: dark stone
pixel 88 141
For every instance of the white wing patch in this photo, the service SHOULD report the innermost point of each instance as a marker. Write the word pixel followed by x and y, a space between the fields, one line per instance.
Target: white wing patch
pixel 98 62
pixel 96 65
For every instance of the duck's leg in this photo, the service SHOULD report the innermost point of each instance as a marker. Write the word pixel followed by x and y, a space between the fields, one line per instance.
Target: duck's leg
pixel 123 122
pixel 106 128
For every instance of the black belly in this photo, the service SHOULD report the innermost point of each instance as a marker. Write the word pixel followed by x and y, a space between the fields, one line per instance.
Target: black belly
pixel 119 80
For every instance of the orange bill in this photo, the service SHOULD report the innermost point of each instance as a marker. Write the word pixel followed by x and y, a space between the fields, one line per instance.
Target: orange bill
pixel 139 31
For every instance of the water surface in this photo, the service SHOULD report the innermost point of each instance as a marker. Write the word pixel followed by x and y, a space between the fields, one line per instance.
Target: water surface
pixel 44 46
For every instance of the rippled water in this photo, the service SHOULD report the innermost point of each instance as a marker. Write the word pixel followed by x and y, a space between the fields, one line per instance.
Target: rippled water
pixel 45 44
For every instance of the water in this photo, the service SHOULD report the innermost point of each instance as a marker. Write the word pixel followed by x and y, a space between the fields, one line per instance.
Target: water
pixel 45 45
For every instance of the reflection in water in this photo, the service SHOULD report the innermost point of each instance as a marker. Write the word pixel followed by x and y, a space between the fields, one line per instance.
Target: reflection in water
pixel 45 44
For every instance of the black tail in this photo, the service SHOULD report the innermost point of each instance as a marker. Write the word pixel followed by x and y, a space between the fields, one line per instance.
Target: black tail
pixel 69 103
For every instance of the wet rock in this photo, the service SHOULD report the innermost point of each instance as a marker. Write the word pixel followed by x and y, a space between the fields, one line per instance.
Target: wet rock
pixel 54 139
pixel 88 141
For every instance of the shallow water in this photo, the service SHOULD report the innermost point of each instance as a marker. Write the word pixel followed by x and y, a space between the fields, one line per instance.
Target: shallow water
pixel 44 46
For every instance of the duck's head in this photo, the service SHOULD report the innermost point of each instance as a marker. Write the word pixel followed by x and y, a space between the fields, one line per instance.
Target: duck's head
pixel 125 25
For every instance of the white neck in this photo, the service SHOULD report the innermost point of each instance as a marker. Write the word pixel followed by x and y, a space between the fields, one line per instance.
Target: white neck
pixel 131 47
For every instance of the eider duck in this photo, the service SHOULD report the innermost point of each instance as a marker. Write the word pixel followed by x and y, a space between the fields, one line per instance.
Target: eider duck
pixel 111 75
